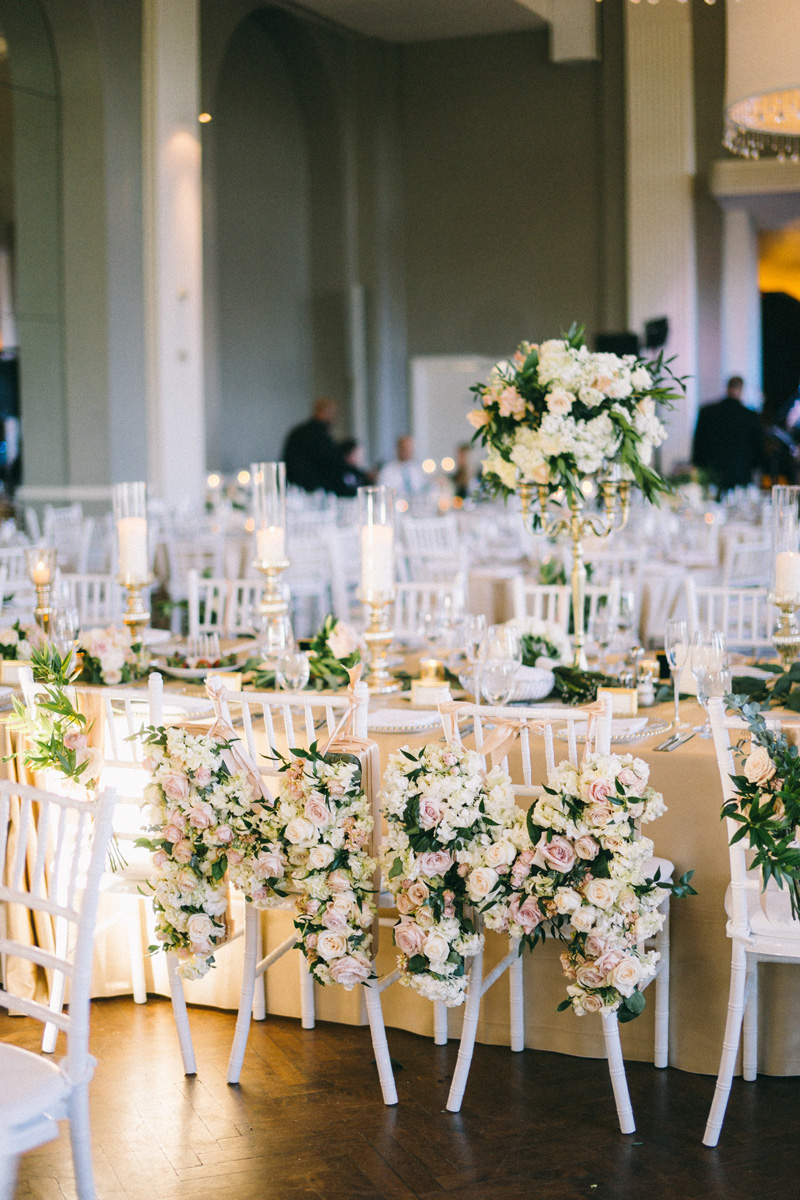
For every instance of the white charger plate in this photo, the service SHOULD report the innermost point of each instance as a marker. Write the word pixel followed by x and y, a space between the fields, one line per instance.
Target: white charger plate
pixel 401 720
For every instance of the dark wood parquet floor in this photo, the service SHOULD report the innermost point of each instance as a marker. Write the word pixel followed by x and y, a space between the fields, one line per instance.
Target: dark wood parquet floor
pixel 307 1122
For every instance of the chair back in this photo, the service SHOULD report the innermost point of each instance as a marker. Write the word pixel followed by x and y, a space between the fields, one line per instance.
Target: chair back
pixel 63 880
pixel 743 613
pixel 282 721
pixel 746 564
pixel 344 553
pixel 98 598
pixel 431 535
pixel 743 881
pixel 413 601
pixel 541 601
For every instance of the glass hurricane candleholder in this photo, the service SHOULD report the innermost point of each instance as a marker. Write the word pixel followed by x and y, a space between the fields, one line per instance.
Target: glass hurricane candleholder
pixel 40 562
pixel 784 590
pixel 268 511
pixel 133 555
pixel 377 590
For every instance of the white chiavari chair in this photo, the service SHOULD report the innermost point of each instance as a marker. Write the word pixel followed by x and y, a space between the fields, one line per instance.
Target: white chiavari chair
pixel 344 550
pixel 98 598
pixel 275 722
pixel 527 792
pixel 122 713
pixel 413 601
pixel 746 564
pixel 542 601
pixel 743 613
pixel 760 926
pixel 62 883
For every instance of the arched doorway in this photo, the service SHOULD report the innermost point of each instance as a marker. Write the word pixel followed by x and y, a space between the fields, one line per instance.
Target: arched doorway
pixel 277 226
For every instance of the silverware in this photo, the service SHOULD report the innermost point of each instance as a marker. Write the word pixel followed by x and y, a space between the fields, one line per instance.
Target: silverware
pixel 665 745
pixel 687 737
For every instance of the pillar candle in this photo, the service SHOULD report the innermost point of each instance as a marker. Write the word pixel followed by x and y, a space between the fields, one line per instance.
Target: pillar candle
pixel 787 573
pixel 271 544
pixel 377 560
pixel 134 563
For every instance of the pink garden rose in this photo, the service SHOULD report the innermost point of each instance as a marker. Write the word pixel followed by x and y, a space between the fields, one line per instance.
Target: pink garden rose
pixel 75 740
pixel 159 858
pixel 430 813
pixel 332 918
pixel 409 938
pixel 338 881
pixel 317 811
pixel 182 851
pixel 350 969
pixel 527 914
pixel 599 814
pixel 202 776
pixel 590 975
pixel 434 862
pixel 175 785
pixel 201 816
pixel 599 790
pixel 587 848
pixel 224 834
pixel 403 904
pixel 171 833
pixel 187 880
pixel 269 865
pixel 234 857
pixel 556 855
pixel 417 892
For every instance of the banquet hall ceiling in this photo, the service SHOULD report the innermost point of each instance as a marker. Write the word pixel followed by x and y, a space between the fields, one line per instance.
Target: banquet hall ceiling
pixel 423 20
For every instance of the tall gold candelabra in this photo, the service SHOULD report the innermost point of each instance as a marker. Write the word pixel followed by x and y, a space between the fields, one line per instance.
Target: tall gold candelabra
pixel 136 616
pixel 616 509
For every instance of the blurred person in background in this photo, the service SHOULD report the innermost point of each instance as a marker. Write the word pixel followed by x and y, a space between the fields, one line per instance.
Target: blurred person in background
pixel 463 478
pixel 404 474
pixel 313 459
pixel 729 440
pixel 355 474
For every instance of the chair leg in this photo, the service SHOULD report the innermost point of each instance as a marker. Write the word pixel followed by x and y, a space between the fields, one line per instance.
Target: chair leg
pixel 730 1045
pixel 136 952
pixel 8 1175
pixel 307 1013
pixel 750 1025
pixel 80 1137
pixel 661 1053
pixel 468 1033
pixel 180 1016
pixel 251 923
pixel 516 1002
pixel 616 1067
pixel 56 1004
pixel 440 1030
pixel 379 1044
pixel 259 995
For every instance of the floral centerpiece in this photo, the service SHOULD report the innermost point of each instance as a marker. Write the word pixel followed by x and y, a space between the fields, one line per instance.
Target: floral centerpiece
pixel 207 819
pixel 544 643
pixel 454 835
pixel 109 656
pixel 767 804
pixel 333 651
pixel 18 642
pixel 557 415
pixel 325 824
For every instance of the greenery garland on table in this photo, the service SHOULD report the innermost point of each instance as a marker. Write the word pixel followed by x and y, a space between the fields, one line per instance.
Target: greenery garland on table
pixel 767 805
pixel 777 692
pixel 333 651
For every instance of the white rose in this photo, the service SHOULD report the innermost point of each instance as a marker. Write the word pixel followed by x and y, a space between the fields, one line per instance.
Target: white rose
pixel 199 927
pixel 599 892
pixel 436 948
pixel 583 918
pixel 9 637
pixel 320 857
pixel 559 401
pixel 331 945
pixel 299 830
pixel 626 975
pixel 567 900
pixel 759 767
pixel 641 380
pixel 500 854
pixel 481 882
pixel 343 640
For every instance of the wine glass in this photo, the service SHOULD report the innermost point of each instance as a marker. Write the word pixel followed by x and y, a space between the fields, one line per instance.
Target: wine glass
pixel 498 678
pixel 292 670
pixel 710 670
pixel 501 641
pixel 676 648
pixel 601 631
pixel 473 628
pixel 66 626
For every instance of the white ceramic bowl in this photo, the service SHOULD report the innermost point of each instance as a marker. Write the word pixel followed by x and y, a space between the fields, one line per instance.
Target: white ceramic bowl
pixel 533 683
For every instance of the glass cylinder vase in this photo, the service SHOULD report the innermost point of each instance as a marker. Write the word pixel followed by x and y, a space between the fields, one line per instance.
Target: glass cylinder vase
pixel 269 512
pixel 376 507
pixel 130 516
pixel 785 559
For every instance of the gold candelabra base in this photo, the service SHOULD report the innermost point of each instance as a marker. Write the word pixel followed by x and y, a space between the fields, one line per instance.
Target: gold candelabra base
pixel 378 636
pixel 275 629
pixel 136 615
pixel 43 612
pixel 786 634
pixel 614 517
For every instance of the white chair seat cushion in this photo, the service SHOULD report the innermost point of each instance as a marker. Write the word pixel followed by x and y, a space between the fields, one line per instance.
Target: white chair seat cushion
pixel 769 914
pixel 659 864
pixel 31 1085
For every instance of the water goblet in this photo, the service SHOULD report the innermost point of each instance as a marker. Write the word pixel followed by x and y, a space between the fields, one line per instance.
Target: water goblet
pixel 497 679
pixel 676 648
pixel 293 670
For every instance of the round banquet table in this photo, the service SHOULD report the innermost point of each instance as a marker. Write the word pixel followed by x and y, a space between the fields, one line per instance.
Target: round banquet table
pixel 690 834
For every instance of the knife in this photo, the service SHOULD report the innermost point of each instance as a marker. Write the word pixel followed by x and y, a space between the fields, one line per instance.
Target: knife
pixel 686 737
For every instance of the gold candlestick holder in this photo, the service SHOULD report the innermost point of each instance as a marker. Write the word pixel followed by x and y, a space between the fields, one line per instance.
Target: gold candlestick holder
pixel 136 616
pixel 43 612
pixel 614 517
pixel 378 636
pixel 41 562
pixel 275 631
pixel 786 634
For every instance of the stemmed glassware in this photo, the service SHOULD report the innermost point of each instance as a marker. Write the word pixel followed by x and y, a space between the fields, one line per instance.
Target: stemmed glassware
pixel 710 670
pixel 500 656
pixel 473 631
pixel 676 648
pixel 292 670
pixel 601 631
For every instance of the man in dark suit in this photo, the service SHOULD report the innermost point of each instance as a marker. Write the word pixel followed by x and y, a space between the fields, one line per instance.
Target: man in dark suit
pixel 729 440
pixel 313 459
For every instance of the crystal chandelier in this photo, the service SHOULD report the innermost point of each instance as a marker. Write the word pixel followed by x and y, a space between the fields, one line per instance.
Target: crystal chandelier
pixel 762 85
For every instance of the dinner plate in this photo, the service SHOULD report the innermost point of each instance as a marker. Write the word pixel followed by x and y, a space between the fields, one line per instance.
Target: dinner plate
pixel 626 729
pixel 155 637
pixel 194 674
pixel 401 720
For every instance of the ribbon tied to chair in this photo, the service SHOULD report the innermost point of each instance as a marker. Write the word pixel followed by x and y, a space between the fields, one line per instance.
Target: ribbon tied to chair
pixel 234 756
pixel 344 729
pixel 499 741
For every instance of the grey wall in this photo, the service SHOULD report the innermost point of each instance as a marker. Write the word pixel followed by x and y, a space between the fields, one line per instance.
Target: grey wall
pixel 504 194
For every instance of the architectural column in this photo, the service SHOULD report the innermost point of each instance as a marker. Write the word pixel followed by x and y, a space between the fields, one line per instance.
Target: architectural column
pixel 173 242
pixel 662 278
pixel 741 303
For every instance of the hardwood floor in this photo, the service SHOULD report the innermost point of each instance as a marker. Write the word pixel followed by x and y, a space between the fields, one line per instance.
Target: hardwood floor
pixel 307 1121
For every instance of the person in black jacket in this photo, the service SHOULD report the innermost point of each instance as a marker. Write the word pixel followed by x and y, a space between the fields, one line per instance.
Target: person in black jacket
pixel 313 459
pixel 729 440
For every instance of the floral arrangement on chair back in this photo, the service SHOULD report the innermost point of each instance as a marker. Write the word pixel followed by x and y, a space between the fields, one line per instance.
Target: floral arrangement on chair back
pixel 557 415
